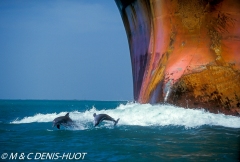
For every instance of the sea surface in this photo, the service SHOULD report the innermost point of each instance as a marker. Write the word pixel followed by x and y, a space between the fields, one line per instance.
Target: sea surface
pixel 144 132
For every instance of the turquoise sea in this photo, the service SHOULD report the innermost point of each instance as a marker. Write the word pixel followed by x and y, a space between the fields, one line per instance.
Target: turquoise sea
pixel 144 132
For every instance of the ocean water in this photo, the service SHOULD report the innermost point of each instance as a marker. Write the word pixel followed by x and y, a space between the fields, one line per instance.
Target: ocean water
pixel 144 132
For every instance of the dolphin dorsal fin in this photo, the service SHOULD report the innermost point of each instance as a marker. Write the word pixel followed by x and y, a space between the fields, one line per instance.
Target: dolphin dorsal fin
pixel 67 115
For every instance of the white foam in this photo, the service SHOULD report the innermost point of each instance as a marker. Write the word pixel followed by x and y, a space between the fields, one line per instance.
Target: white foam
pixel 144 115
pixel 49 130
pixel 38 118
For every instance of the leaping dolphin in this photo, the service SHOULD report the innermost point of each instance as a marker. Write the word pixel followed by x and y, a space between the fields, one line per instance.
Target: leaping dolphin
pixel 62 120
pixel 100 117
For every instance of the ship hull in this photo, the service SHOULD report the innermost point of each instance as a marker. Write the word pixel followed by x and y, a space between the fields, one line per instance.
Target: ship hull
pixel 185 53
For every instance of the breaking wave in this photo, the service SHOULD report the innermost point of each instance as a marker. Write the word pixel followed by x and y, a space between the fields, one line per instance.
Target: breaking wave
pixel 143 115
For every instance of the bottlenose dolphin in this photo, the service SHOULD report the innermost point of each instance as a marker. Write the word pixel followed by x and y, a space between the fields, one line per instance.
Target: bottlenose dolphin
pixel 100 117
pixel 62 120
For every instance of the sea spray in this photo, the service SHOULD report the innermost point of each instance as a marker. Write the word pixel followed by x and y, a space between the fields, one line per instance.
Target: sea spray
pixel 143 115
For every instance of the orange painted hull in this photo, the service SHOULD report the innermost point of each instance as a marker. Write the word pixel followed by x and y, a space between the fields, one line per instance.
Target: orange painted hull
pixel 186 53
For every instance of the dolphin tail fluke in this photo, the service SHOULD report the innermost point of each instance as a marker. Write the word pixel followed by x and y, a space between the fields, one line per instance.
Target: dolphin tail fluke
pixel 116 121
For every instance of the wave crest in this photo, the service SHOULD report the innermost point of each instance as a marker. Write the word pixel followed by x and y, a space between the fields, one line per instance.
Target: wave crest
pixel 145 115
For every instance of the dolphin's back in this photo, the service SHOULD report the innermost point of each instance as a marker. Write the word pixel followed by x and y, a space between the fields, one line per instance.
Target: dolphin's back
pixel 100 117
pixel 103 117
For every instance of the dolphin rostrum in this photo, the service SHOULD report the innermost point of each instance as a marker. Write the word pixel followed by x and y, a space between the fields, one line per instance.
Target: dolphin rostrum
pixel 100 117
pixel 62 120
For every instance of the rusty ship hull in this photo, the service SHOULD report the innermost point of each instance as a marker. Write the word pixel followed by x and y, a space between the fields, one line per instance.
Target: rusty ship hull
pixel 185 53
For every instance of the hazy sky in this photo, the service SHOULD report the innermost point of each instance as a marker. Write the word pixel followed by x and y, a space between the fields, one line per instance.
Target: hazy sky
pixel 56 49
